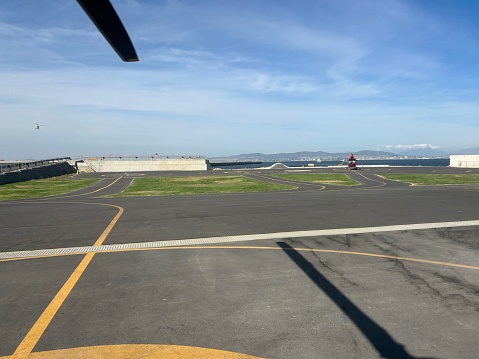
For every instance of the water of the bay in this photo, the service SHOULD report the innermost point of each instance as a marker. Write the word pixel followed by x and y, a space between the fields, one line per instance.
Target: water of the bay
pixel 425 162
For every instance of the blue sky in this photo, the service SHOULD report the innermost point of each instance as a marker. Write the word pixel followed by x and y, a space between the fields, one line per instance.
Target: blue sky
pixel 227 77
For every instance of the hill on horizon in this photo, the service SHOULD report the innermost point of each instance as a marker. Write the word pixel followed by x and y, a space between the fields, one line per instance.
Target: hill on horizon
pixel 305 155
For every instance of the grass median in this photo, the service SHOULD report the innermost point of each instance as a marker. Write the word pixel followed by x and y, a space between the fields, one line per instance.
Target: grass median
pixel 336 179
pixel 42 188
pixel 434 179
pixel 164 186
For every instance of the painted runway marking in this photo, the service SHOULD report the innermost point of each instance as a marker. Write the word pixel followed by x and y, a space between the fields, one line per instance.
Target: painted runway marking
pixel 145 351
pixel 228 239
pixel 381 183
pixel 35 200
pixel 290 182
pixel 33 336
pixel 27 345
pixel 97 190
pixel 197 242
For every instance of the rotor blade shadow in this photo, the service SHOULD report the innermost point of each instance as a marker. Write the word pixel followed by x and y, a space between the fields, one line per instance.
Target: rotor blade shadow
pixel 385 345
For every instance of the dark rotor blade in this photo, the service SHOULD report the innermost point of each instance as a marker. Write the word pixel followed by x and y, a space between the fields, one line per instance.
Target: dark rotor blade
pixel 104 16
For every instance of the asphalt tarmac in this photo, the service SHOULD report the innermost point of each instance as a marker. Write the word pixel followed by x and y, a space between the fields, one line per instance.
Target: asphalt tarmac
pixel 380 270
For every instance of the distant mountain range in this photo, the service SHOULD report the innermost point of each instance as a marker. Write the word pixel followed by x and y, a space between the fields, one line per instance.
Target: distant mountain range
pixel 328 156
pixel 304 156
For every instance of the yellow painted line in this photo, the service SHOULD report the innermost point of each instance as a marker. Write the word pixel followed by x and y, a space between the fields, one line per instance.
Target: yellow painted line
pixel 41 200
pixel 110 226
pixel 35 333
pixel 370 179
pixel 448 264
pixel 327 251
pixel 258 176
pixel 97 190
pixel 332 251
pixel 144 351
pixel 291 182
pixel 32 337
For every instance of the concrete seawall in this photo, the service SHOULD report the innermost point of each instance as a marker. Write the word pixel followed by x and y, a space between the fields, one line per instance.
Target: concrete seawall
pixel 466 161
pixel 47 171
pixel 127 165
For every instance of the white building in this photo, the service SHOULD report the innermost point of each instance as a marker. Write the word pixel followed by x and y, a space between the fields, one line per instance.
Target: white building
pixel 467 161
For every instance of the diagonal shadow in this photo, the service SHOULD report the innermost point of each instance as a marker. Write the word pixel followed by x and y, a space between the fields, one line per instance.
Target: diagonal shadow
pixel 386 346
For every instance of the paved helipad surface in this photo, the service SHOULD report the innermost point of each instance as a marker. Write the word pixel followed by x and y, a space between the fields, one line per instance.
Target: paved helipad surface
pixel 381 270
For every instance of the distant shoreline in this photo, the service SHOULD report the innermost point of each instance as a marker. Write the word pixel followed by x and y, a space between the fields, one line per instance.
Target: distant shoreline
pixel 429 162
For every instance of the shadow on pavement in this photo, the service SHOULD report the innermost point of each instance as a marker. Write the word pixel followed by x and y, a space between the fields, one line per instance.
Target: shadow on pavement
pixel 385 345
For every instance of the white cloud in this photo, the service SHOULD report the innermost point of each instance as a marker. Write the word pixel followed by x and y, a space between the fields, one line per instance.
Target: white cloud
pixel 9 31
pixel 411 147
pixel 280 84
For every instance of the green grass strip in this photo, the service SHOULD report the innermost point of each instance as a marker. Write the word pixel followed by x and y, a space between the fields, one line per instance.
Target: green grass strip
pixel 42 188
pixel 163 186
pixel 337 179
pixel 434 179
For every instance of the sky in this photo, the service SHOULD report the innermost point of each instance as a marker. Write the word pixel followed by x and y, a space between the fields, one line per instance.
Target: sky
pixel 224 77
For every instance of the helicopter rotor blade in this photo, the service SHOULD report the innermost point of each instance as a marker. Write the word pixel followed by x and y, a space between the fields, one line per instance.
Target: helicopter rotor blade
pixel 105 18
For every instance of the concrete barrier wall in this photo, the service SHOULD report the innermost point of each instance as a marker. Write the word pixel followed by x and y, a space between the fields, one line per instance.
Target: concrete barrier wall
pixel 187 164
pixel 467 161
pixel 47 171
pixel 83 167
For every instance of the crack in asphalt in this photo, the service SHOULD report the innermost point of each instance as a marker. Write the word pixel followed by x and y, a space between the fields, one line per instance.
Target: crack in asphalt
pixel 469 237
pixel 455 301
pixel 469 298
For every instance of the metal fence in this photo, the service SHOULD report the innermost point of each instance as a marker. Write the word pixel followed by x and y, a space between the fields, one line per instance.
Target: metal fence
pixel 19 166
pixel 134 158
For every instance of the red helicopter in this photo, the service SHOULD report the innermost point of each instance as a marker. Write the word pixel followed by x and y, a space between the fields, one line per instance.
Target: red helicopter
pixel 352 163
